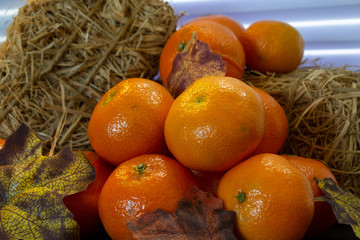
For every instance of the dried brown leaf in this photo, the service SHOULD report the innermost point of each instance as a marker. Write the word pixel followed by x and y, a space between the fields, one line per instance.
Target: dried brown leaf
pixel 199 216
pixel 197 62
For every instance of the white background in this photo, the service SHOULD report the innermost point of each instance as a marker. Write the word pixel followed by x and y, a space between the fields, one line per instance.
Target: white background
pixel 331 28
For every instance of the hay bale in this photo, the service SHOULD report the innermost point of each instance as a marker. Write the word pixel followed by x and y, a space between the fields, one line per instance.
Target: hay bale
pixel 61 56
pixel 322 106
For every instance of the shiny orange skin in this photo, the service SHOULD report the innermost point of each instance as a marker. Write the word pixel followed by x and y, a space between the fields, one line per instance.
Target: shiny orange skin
pixel 221 40
pixel 84 205
pixel 278 198
pixel 129 120
pixel 128 194
pixel 276 125
pixel 324 217
pixel 236 27
pixel 272 46
pixel 214 124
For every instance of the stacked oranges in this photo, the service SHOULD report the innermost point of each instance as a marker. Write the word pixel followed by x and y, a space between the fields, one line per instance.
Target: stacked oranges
pixel 265 46
pixel 219 132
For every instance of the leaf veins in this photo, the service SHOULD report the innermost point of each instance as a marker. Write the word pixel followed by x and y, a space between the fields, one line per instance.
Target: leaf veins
pixel 197 62
pixel 345 205
pixel 32 187
pixel 199 216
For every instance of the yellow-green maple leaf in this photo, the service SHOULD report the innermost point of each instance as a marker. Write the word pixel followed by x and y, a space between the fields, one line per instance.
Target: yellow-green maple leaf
pixel 345 205
pixel 32 187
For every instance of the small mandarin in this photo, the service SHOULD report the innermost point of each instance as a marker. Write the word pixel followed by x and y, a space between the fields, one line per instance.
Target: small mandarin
pixel 272 46
pixel 276 125
pixel 2 142
pixel 271 197
pixel 221 40
pixel 324 217
pixel 141 184
pixel 215 123
pixel 84 205
pixel 129 120
pixel 236 27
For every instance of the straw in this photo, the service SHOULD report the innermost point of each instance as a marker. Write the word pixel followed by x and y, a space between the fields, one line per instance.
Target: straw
pixel 61 56
pixel 322 105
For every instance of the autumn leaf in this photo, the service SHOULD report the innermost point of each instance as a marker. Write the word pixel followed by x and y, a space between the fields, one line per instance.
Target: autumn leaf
pixel 345 205
pixel 199 216
pixel 197 62
pixel 32 187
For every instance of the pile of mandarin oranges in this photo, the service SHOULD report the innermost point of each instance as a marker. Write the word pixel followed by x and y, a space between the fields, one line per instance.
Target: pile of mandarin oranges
pixel 221 135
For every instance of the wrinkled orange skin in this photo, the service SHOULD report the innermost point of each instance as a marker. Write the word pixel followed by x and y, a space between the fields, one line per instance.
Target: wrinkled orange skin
pixel 276 125
pixel 278 198
pixel 272 46
pixel 129 119
pixel 221 40
pixel 236 27
pixel 128 194
pixel 215 123
pixel 324 217
pixel 84 205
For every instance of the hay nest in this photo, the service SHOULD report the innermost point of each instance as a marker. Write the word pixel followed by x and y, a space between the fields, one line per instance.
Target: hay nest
pixel 323 109
pixel 61 56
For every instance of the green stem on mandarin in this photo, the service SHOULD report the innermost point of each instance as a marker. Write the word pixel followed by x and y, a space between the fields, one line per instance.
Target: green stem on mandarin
pixel 140 168
pixel 240 197
pixel 181 46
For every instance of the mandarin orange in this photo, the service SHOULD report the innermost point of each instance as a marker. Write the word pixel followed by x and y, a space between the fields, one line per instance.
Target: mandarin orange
pixel 84 205
pixel 221 40
pixel 2 142
pixel 324 217
pixel 272 46
pixel 272 198
pixel 276 125
pixel 215 123
pixel 208 181
pixel 129 120
pixel 236 27
pixel 144 183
